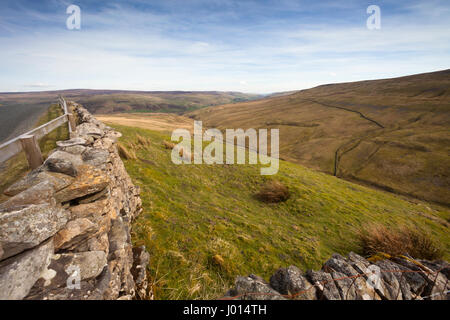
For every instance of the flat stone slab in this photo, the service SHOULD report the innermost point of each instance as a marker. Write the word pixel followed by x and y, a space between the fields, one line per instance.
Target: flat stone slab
pixel 72 142
pixel 75 232
pixel 28 227
pixel 39 194
pixel 66 269
pixel 88 181
pixel 19 273
pixel 58 181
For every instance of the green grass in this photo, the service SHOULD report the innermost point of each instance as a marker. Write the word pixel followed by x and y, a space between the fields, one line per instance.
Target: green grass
pixel 194 212
pixel 17 166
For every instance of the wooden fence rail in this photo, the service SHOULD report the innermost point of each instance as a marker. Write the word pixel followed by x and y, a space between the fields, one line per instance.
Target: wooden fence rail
pixel 28 142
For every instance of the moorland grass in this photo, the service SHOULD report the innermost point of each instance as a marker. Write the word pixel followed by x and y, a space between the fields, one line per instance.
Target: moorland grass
pixel 203 225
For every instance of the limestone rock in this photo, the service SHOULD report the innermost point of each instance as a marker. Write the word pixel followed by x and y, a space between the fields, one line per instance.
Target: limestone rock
pixel 253 288
pixel 73 233
pixel 77 149
pixel 61 166
pixel 89 129
pixel 93 209
pixel 290 281
pixel 19 273
pixel 396 286
pixel 39 194
pixel 95 157
pixel 325 285
pixel 66 269
pixel 74 159
pixel 57 180
pixel 72 142
pixel 88 181
pixel 139 271
pixel 28 227
pixel 363 289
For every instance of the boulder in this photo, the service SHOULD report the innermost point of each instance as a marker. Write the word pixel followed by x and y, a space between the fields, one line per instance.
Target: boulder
pixel 28 227
pixel 290 281
pixel 19 273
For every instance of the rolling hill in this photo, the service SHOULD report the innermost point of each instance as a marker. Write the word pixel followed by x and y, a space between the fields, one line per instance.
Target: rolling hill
pixel 391 133
pixel 203 225
pixel 19 111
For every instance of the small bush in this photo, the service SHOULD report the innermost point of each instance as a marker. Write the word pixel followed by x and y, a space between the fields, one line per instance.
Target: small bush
pixel 273 192
pixel 419 245
pixel 124 153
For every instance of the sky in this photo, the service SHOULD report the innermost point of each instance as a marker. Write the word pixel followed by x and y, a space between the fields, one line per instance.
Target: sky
pixel 255 46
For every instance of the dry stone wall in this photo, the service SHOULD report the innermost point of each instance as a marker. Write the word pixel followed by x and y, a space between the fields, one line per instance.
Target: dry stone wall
pixel 351 278
pixel 65 230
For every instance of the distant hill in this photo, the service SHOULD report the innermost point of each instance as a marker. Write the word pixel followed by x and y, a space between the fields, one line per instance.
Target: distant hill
pixel 392 133
pixel 19 111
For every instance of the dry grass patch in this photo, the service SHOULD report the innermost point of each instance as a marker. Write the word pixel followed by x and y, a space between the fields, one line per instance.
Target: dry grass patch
pixel 168 145
pixel 124 153
pixel 379 239
pixel 273 192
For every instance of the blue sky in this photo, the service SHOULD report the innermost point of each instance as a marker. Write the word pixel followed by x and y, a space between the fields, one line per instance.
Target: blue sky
pixel 250 46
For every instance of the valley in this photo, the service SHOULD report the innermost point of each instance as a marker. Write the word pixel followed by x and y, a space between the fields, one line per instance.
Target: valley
pixel 390 134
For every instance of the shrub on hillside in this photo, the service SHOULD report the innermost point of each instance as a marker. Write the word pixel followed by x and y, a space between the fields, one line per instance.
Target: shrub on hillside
pixel 273 192
pixel 416 243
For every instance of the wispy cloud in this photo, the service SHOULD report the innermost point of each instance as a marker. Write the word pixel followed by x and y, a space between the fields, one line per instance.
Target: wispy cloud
pixel 214 45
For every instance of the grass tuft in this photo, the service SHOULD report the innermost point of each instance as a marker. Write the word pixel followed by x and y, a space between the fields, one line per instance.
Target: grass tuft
pixel 273 192
pixel 168 145
pixel 377 238
pixel 126 154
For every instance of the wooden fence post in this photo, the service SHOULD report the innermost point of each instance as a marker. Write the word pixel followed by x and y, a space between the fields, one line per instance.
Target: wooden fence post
pixel 32 151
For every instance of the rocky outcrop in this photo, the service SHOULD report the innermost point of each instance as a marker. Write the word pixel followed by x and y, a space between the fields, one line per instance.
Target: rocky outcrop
pixel 65 230
pixel 352 278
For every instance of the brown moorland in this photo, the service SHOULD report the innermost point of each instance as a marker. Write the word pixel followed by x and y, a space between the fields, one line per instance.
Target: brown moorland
pixel 390 133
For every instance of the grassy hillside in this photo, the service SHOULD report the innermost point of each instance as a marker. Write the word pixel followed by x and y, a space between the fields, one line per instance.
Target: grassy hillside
pixel 203 225
pixel 391 133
